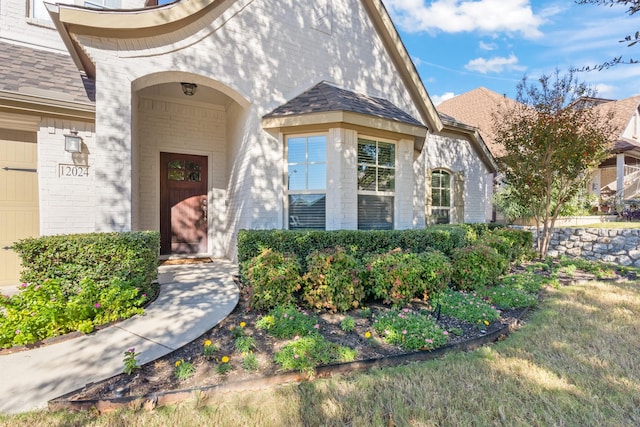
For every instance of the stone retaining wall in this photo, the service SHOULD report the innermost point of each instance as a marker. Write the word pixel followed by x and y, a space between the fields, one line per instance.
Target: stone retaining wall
pixel 619 246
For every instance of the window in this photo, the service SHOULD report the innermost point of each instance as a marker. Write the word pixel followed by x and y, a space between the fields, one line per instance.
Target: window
pixel 376 184
pixel 307 181
pixel 441 196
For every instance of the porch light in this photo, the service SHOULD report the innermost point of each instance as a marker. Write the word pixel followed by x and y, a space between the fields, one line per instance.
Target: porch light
pixel 72 142
pixel 189 89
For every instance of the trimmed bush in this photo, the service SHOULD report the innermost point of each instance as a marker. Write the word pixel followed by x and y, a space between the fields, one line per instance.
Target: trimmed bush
pixel 104 258
pixel 477 266
pixel 396 277
pixel 275 278
pixel 333 280
pixel 444 238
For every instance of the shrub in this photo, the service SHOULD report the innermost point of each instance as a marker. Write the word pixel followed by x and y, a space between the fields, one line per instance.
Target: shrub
pixel 302 243
pixel 130 257
pixel 396 276
pixel 333 280
pixel 466 306
pixel 477 266
pixel 409 330
pixel 275 278
pixel 50 309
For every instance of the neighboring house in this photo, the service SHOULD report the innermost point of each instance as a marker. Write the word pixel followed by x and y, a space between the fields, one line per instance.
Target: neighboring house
pixel 618 177
pixel 203 117
pixel 617 180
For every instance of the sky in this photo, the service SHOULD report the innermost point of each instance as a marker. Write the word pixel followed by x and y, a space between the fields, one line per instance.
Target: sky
pixel 459 45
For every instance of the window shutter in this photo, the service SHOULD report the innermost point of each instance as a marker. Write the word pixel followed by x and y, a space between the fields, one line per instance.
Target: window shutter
pixel 427 198
pixel 458 197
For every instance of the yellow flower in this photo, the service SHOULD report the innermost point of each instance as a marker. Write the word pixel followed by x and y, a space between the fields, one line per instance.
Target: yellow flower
pixel 486 323
pixel 207 343
pixel 367 334
pixel 178 362
pixel 243 324
pixel 225 359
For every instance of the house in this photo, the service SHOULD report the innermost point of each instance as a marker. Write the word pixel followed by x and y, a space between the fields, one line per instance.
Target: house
pixel 199 118
pixel 617 178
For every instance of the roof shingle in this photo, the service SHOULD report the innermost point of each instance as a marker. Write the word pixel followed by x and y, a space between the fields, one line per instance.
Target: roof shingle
pixel 325 97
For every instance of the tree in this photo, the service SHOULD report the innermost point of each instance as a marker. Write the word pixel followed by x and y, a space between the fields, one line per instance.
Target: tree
pixel 630 39
pixel 552 142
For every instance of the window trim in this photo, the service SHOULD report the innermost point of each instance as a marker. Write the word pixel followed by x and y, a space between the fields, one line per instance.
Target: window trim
pixel 287 191
pixel 383 193
pixel 450 208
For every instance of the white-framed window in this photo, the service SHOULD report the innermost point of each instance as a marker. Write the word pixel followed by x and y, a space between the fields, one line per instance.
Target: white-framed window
pixel 441 200
pixel 376 184
pixel 306 181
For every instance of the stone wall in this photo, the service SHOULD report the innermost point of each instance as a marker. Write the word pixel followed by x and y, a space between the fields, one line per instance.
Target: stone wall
pixel 619 246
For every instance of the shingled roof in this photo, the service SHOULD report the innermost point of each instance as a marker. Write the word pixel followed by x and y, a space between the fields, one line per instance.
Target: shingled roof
pixel 41 73
pixel 476 108
pixel 325 97
pixel 623 110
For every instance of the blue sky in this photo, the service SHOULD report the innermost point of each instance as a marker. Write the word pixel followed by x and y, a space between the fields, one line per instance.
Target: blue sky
pixel 459 45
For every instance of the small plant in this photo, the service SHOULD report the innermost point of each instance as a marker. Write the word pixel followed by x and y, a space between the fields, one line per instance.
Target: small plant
pixel 184 369
pixel 287 322
pixel 224 366
pixel 365 312
pixel 306 353
pixel 209 348
pixel 244 344
pixel 250 362
pixel 466 306
pixel 505 297
pixel 529 282
pixel 348 324
pixel 130 362
pixel 410 330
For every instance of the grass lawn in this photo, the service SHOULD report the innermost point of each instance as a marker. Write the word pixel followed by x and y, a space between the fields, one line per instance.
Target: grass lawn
pixel 611 225
pixel 576 362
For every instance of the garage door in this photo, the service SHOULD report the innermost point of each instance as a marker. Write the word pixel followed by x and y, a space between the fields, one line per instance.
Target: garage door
pixel 18 198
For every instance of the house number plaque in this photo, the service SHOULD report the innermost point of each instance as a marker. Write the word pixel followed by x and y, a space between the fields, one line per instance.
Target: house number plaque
pixel 73 171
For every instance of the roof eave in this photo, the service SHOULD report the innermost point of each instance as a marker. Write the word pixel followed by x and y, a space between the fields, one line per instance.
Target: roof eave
pixel 476 139
pixel 277 123
pixel 405 66
pixel 30 104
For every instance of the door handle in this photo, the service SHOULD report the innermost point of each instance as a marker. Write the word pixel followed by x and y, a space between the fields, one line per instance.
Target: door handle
pixel 205 211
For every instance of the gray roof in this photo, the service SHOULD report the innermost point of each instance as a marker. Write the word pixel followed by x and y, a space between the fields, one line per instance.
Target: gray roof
pixel 42 73
pixel 325 97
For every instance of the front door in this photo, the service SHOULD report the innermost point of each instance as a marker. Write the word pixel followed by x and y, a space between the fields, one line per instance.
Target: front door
pixel 183 204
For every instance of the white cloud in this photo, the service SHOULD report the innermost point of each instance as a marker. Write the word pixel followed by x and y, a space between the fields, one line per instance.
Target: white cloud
pixel 487 46
pixel 438 99
pixel 496 64
pixel 454 16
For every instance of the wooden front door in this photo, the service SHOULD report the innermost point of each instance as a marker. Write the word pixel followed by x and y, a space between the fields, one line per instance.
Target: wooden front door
pixel 183 204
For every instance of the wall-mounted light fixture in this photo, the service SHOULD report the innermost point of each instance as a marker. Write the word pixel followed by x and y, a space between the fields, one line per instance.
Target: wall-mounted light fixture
pixel 189 89
pixel 72 142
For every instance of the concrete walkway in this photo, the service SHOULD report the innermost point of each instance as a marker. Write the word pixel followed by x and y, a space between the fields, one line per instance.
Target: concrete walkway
pixel 193 298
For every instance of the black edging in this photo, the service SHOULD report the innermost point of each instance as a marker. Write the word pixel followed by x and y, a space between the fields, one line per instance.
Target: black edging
pixel 153 400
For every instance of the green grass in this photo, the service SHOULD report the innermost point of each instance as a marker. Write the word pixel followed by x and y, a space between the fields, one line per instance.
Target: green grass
pixel 610 225
pixel 576 362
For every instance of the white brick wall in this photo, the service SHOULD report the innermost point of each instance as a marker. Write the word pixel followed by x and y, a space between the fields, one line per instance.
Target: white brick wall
pixel 456 154
pixel 260 54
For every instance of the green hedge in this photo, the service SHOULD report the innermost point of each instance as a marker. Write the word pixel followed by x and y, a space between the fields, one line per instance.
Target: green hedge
pixel 444 238
pixel 105 258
